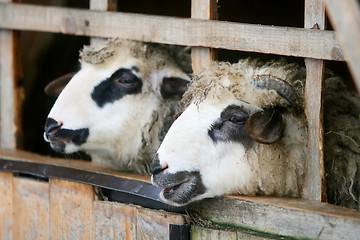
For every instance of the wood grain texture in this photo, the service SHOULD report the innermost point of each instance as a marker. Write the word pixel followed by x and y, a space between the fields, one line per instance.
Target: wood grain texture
pixel 70 210
pixel 299 218
pixel 345 17
pixel 202 233
pixel 279 216
pixel 10 92
pixel 102 5
pixel 153 224
pixel 286 41
pixel 31 209
pixel 315 186
pixel 113 220
pixel 18 155
pixel 6 203
pixel 203 9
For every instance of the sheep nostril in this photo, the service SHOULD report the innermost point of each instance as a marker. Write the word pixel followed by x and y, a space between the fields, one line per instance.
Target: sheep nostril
pixel 51 125
pixel 156 169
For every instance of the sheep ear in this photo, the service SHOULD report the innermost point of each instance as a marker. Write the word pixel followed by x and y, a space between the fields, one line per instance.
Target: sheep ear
pixel 173 87
pixel 54 88
pixel 266 126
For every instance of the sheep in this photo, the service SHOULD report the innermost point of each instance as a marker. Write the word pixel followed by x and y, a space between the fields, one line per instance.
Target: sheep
pixel 119 105
pixel 244 131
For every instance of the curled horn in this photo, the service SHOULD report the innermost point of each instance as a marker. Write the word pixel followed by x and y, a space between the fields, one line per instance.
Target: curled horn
pixel 283 88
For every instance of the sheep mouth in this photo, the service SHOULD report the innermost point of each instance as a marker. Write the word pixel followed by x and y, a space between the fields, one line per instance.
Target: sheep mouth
pixel 179 188
pixel 169 192
pixel 59 139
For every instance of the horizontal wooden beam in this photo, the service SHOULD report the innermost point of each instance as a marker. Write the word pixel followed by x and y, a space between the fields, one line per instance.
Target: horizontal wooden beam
pixel 122 187
pixel 288 41
pixel 290 217
pixel 293 217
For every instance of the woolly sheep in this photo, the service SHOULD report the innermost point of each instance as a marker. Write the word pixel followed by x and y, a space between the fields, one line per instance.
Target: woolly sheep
pixel 244 131
pixel 118 107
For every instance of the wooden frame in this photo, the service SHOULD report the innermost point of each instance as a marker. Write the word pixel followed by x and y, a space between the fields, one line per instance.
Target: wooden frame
pixel 249 217
pixel 312 43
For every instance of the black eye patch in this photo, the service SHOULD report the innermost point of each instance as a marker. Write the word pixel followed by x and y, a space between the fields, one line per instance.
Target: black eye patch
pixel 231 126
pixel 122 82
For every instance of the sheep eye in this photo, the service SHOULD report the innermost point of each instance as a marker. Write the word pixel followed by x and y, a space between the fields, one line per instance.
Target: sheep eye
pixel 128 81
pixel 237 119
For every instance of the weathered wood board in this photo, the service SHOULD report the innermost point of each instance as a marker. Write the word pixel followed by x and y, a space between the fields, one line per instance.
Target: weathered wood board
pixel 286 41
pixel 31 209
pixel 300 218
pixel 202 233
pixel 315 186
pixel 70 210
pixel 155 225
pixel 6 203
pixel 102 5
pixel 345 17
pixel 203 9
pixel 10 92
pixel 114 220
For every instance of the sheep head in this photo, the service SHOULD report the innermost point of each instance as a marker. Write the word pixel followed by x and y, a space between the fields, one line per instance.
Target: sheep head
pixel 119 105
pixel 241 133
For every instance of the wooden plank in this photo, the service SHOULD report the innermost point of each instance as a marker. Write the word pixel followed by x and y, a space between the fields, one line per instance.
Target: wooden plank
pixel 172 30
pixel 279 216
pixel 201 233
pixel 136 189
pixel 300 218
pixel 315 186
pixel 18 155
pixel 31 209
pixel 10 92
pixel 113 220
pixel 70 210
pixel 102 5
pixel 203 9
pixel 6 203
pixel 152 224
pixel 345 17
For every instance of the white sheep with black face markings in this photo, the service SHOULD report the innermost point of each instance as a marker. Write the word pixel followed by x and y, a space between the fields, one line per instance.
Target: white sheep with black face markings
pixel 119 105
pixel 244 131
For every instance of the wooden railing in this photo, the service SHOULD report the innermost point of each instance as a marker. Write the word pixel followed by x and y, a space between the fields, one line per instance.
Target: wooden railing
pixel 288 217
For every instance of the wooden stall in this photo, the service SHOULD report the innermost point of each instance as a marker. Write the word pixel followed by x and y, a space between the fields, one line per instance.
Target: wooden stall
pixel 50 198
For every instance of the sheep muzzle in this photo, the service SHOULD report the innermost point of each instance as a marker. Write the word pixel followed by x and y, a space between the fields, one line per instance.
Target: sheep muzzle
pixel 179 188
pixel 59 137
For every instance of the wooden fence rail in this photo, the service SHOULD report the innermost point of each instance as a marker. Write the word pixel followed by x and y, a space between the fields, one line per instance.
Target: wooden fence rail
pixel 284 217
pixel 288 41
pixel 66 204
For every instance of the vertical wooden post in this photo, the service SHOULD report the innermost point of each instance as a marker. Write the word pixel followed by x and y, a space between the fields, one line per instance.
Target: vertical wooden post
pixel 202 9
pixel 6 206
pixel 345 17
pixel 314 187
pixel 102 5
pixel 10 92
